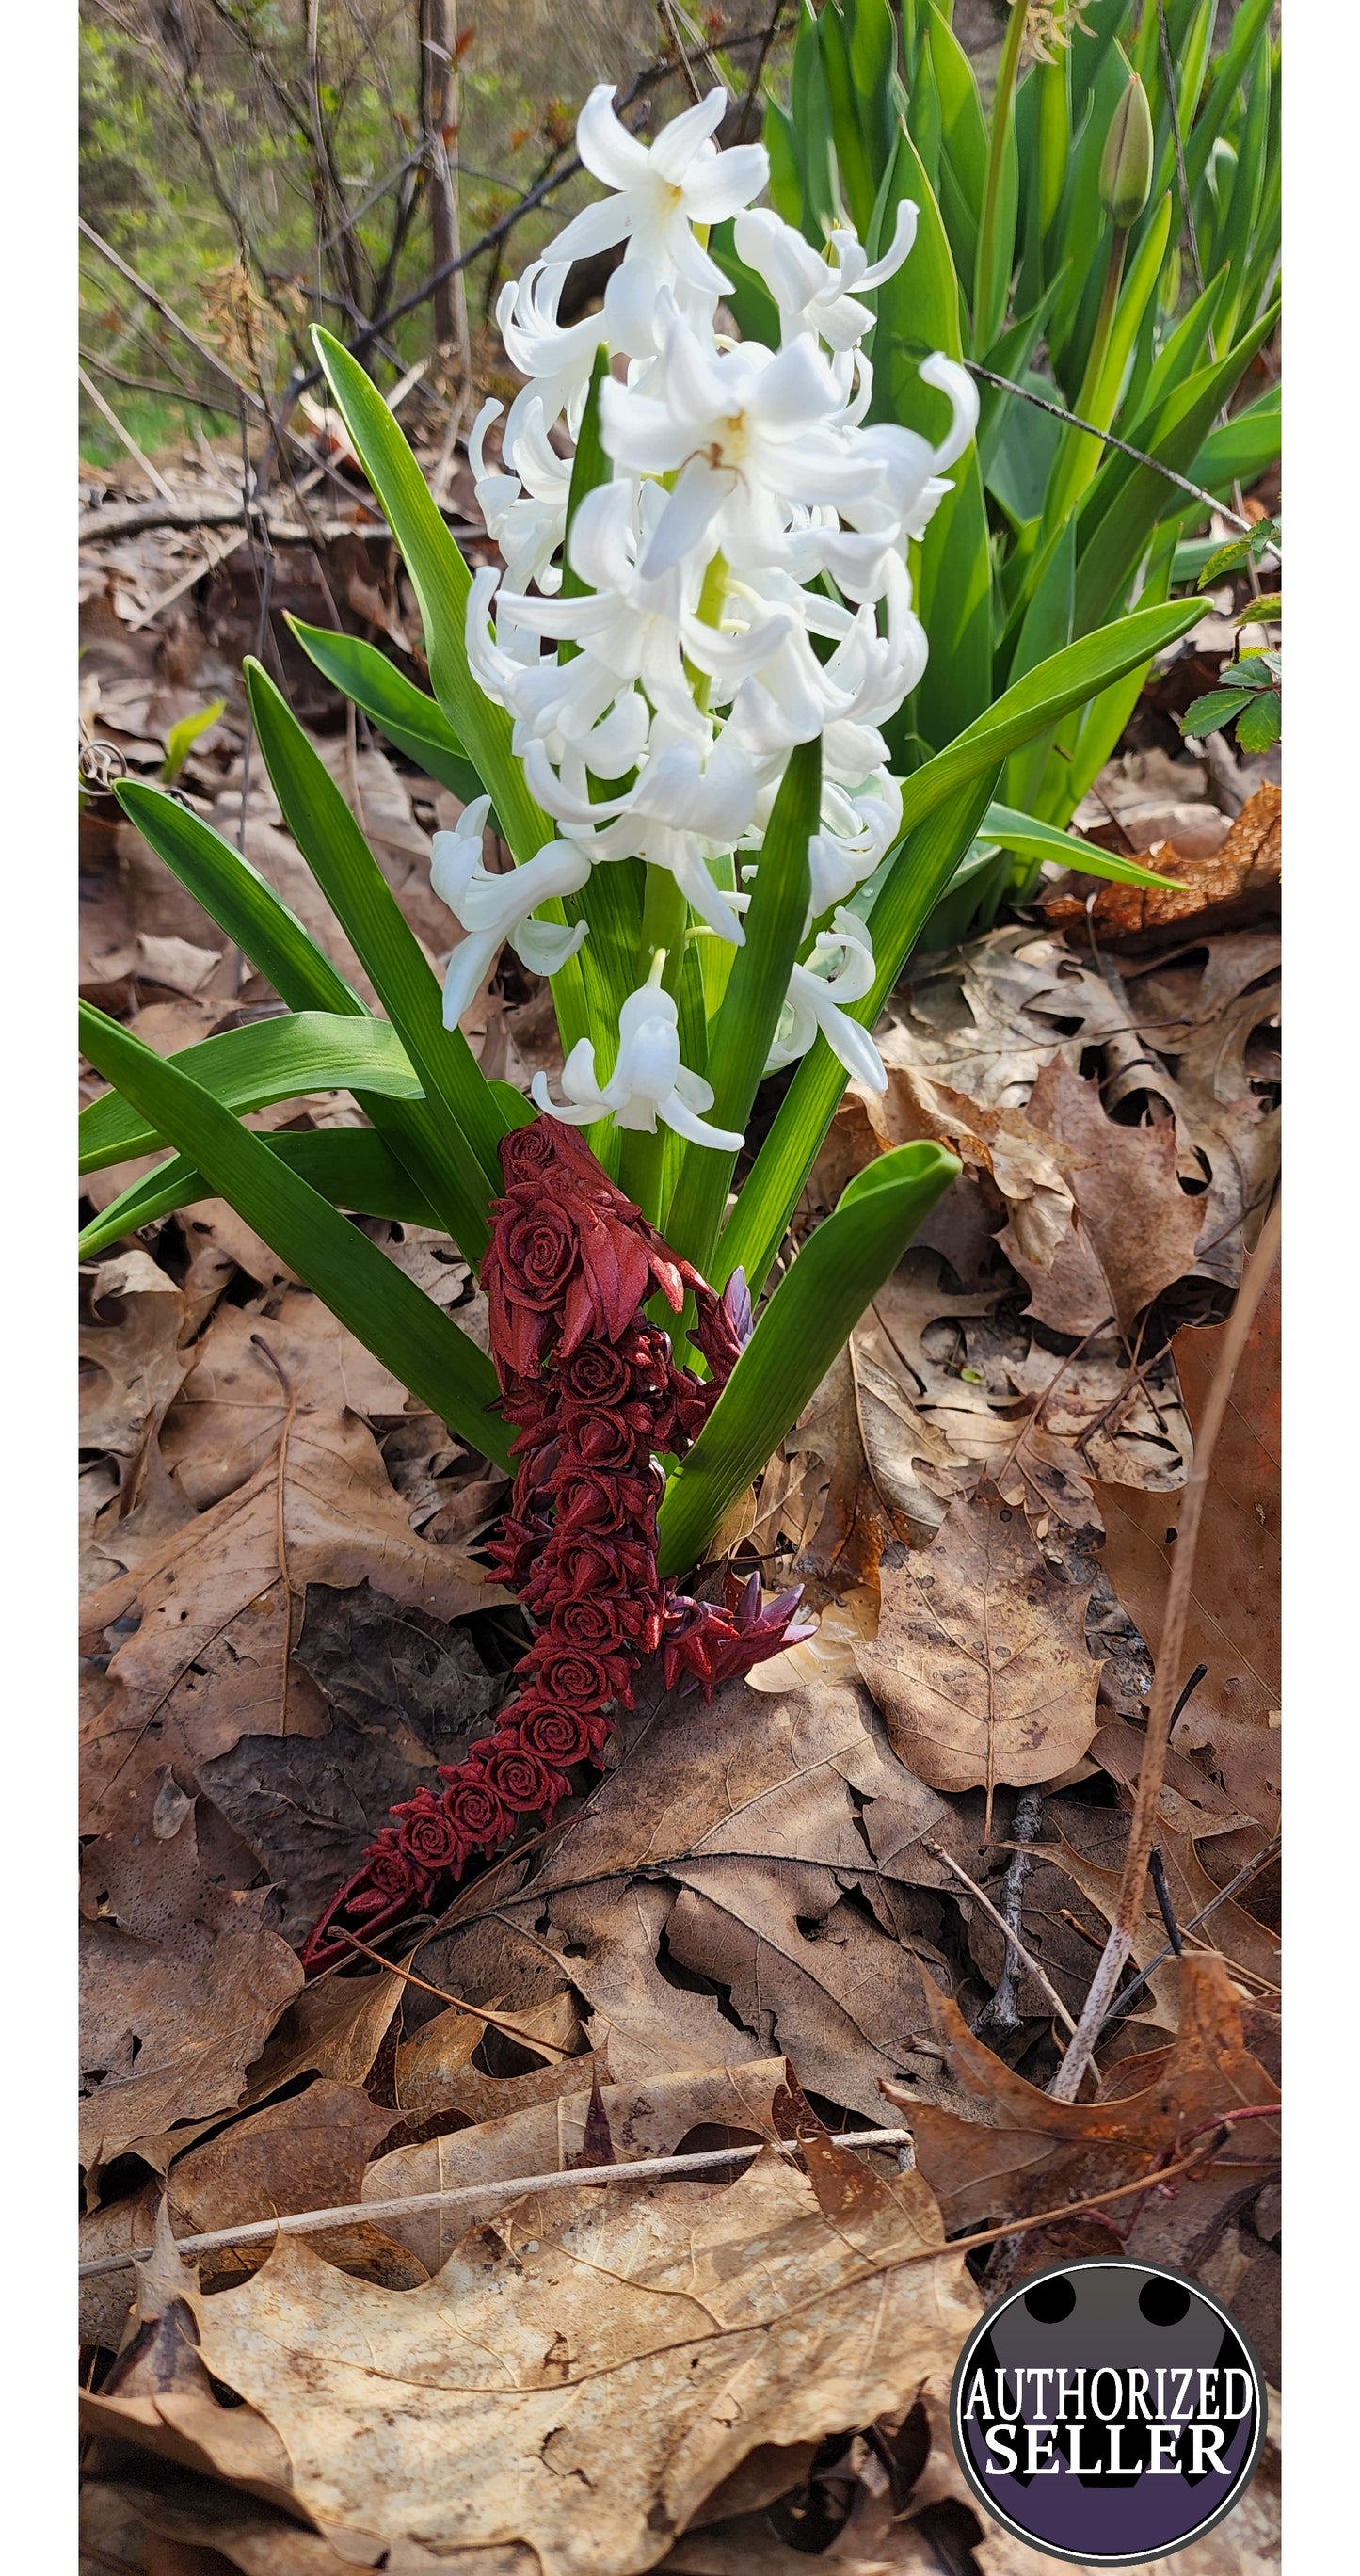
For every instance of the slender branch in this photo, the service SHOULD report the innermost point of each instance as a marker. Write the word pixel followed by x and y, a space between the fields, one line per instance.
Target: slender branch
pixel 553 179
pixel 1139 454
pixel 1014 1942
pixel 309 2222
pixel 1142 1830
pixel 1222 1896
pixel 124 435
pixel 1000 2013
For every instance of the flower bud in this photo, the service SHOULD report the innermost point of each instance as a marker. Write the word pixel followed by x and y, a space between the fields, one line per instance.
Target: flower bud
pixel 1126 162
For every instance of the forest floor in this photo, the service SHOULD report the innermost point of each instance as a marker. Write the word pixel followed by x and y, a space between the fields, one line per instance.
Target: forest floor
pixel 782 1917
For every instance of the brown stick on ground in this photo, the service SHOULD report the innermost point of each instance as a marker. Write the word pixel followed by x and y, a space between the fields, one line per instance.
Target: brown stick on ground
pixel 1142 1830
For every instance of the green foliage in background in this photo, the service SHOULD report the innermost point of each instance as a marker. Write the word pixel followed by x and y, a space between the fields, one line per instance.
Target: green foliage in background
pixel 1020 265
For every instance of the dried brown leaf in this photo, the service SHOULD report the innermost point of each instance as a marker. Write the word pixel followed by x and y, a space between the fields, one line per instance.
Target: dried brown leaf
pixel 1215 891
pixel 1138 1228
pixel 980 1666
pixel 1015 2151
pixel 204 1666
pixel 580 2377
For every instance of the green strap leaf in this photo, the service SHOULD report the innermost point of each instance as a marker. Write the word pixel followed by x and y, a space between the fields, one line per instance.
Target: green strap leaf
pixel 240 901
pixel 807 1321
pixel 1031 839
pixel 442 582
pixel 353 1167
pixel 920 874
pixel 340 859
pixel 411 719
pixel 246 907
pixel 372 1298
pixel 1064 681
pixel 251 1067
pixel 743 1032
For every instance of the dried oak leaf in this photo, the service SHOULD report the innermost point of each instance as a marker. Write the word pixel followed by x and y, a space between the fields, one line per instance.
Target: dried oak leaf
pixel 306 2153
pixel 132 1363
pixel 181 2023
pixel 648 2119
pixel 699 1903
pixel 159 2394
pixel 986 1018
pixel 1092 1853
pixel 1026 2153
pixel 333 2029
pixel 1031 1171
pixel 1138 1228
pixel 980 1666
pixel 225 1421
pixel 203 2526
pixel 1219 891
pixel 586 2369
pixel 204 1665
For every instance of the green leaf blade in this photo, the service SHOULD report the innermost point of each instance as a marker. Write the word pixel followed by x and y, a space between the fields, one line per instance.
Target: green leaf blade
pixel 254 1066
pixel 807 1321
pixel 371 1297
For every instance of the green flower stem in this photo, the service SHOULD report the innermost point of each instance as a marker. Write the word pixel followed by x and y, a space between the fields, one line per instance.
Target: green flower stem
pixel 1081 453
pixel 989 288
pixel 665 920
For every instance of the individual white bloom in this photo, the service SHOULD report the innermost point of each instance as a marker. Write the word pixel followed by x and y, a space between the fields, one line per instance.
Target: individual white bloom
pixel 840 969
pixel 681 180
pixel 813 294
pixel 643 632
pixel 910 488
pixel 690 802
pixel 857 831
pixel 556 358
pixel 525 509
pixel 648 1082
pixel 495 910
pixel 751 433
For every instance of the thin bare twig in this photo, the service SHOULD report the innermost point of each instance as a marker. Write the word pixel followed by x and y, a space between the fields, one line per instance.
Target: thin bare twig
pixel 938 1852
pixel 657 2168
pixel 124 435
pixel 1139 455
pixel 309 2222
pixel 503 2022
pixel 1129 1904
pixel 1223 1896
pixel 1000 2012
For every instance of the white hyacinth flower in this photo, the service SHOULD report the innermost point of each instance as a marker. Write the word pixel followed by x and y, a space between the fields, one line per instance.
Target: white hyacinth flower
pixel 840 969
pixel 648 1082
pixel 748 433
pixel 495 910
pixel 811 294
pixel 739 586
pixel 662 191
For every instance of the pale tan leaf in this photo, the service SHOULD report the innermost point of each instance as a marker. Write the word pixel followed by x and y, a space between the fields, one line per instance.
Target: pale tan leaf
pixel 980 1665
pixel 579 2377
